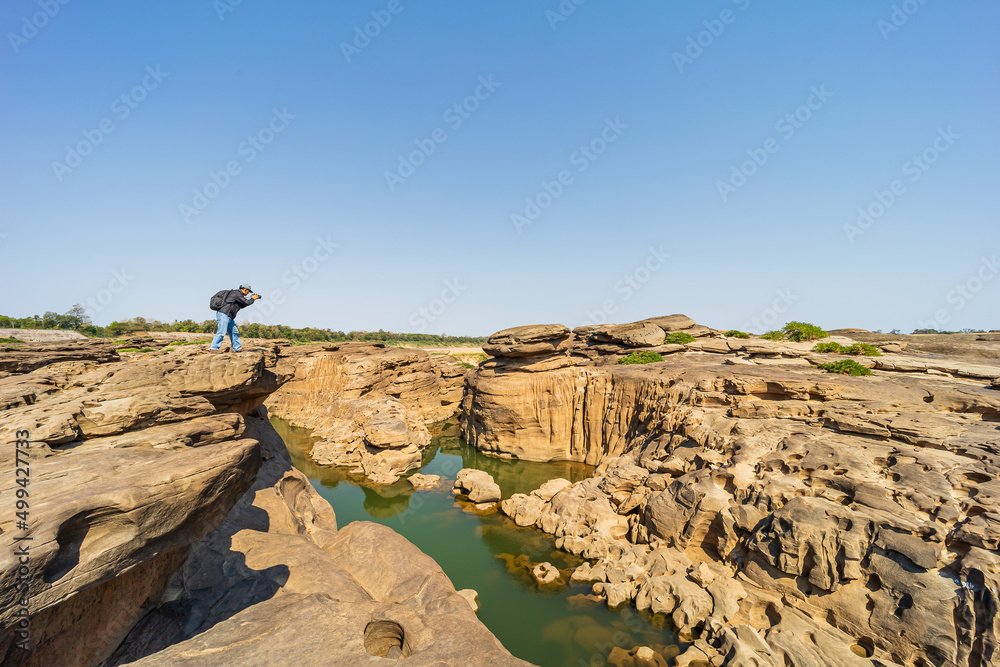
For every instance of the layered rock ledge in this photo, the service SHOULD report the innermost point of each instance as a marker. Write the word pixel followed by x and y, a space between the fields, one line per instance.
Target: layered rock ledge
pixel 167 526
pixel 780 514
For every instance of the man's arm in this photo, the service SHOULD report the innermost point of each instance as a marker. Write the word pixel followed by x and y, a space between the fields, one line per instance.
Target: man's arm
pixel 244 300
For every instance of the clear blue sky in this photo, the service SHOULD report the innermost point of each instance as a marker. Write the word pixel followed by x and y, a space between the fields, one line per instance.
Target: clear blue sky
pixel 650 220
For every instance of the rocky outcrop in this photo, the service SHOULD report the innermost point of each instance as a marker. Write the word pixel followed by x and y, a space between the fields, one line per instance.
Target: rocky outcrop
pixel 368 405
pixel 166 525
pixel 128 465
pixel 781 514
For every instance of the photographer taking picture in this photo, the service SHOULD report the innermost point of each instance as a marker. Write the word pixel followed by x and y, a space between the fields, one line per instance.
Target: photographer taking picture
pixel 226 304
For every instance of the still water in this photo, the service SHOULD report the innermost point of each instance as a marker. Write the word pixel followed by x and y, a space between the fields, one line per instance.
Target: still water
pixel 551 627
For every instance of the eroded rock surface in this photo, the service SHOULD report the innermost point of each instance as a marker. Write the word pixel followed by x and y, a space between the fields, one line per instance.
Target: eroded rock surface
pixel 784 514
pixel 130 463
pixel 369 405
pixel 168 526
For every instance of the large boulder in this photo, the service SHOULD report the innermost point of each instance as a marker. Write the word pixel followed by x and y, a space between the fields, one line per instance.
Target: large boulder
pixel 638 334
pixel 478 485
pixel 671 323
pixel 524 341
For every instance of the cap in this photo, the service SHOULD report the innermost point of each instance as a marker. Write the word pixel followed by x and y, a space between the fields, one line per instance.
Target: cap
pixel 245 286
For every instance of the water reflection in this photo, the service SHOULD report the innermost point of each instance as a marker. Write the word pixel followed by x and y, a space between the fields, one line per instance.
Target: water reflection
pixel 561 625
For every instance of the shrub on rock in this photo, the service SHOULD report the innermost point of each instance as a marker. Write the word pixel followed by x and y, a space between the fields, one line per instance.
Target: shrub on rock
pixel 678 338
pixel 800 331
pixel 641 358
pixel 735 333
pixel 845 367
pixel 858 349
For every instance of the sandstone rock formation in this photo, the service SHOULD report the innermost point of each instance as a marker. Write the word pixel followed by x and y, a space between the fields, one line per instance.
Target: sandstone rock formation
pixel 129 465
pixel 167 526
pixel 783 515
pixel 368 405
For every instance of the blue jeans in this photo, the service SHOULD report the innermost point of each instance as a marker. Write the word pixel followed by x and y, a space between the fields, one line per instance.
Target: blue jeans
pixel 226 326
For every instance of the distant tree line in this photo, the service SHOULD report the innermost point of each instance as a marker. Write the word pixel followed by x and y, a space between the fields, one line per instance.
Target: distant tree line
pixel 78 320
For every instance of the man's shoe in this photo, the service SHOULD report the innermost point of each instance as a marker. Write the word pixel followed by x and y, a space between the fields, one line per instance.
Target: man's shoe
pixel 212 351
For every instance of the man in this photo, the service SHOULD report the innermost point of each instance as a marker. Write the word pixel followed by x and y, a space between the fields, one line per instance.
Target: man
pixel 236 300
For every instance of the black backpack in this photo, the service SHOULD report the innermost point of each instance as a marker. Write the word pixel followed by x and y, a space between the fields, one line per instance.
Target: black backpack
pixel 218 299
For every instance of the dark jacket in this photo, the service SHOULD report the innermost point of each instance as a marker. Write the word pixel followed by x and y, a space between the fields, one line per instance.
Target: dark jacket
pixel 234 302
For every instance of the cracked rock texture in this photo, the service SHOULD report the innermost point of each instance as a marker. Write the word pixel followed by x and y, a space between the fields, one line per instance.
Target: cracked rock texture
pixel 783 515
pixel 369 405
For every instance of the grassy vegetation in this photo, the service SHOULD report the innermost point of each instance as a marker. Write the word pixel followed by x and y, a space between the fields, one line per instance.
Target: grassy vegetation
pixel 465 364
pixel 11 339
pixel 178 343
pixel 858 349
pixel 678 338
pixel 735 333
pixel 134 349
pixel 773 335
pixel 641 358
pixel 845 367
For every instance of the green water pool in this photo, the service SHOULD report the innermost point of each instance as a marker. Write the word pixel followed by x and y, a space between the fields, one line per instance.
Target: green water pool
pixel 559 627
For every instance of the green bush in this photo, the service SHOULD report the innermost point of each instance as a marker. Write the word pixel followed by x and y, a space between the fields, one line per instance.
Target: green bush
pixel 858 349
pixel 11 339
pixel 864 349
pixel 800 331
pixel 734 333
pixel 465 364
pixel 845 367
pixel 641 358
pixel 678 338
pixel 774 335
pixel 127 349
